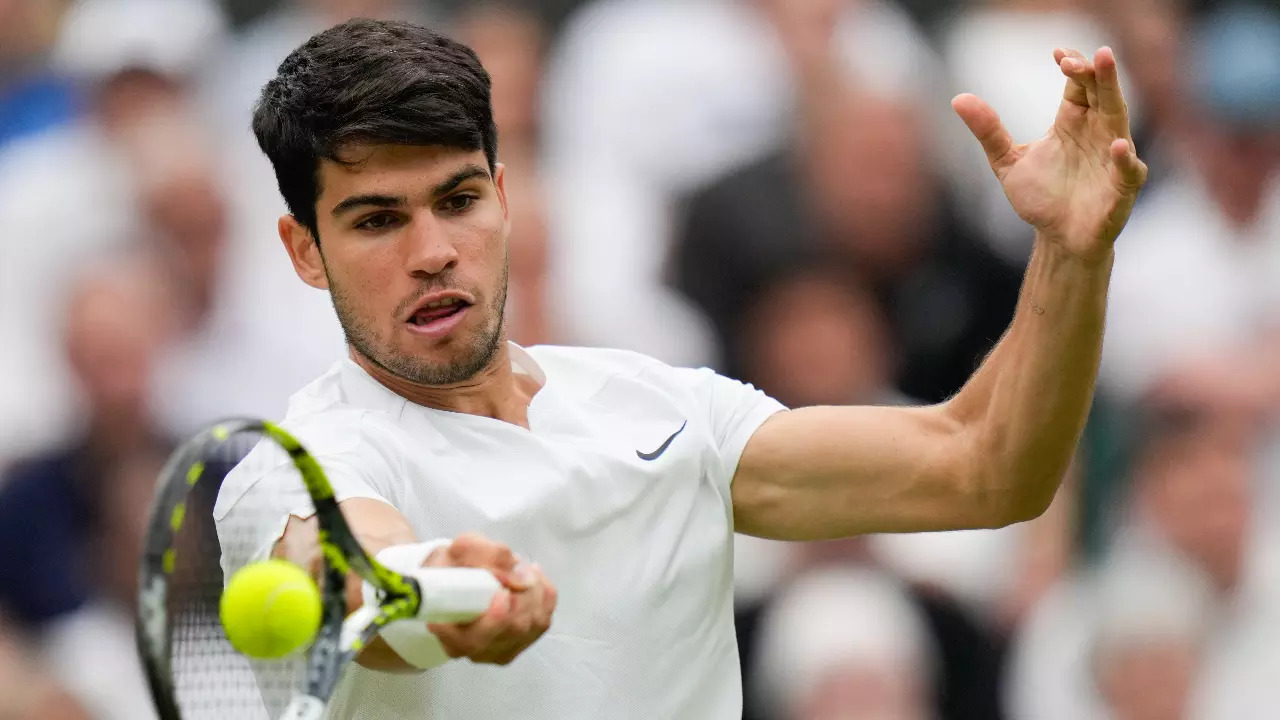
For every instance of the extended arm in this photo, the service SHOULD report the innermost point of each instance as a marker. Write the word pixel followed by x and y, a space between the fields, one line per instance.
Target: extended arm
pixel 995 453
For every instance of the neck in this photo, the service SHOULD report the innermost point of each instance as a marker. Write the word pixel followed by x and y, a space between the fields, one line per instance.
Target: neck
pixel 495 392
pixel 113 435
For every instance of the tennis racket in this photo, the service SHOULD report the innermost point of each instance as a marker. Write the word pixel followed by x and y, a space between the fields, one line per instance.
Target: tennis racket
pixel 193 671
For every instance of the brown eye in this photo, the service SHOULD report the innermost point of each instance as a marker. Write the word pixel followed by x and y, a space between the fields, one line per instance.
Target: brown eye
pixel 381 221
pixel 460 203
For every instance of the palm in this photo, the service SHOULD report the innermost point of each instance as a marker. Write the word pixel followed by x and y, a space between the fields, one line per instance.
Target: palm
pixel 1077 184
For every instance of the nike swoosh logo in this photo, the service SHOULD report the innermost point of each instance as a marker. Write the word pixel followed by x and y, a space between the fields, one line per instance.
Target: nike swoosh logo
pixel 663 447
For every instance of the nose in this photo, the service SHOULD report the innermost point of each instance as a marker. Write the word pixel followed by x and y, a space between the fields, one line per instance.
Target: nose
pixel 427 247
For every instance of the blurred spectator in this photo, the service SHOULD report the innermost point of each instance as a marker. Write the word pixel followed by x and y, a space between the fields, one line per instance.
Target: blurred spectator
pixel 158 178
pixel 1195 306
pixel 816 337
pixel 33 96
pixel 647 100
pixel 1002 51
pixel 844 643
pixel 1191 512
pixel 1155 619
pixel 529 317
pixel 856 183
pixel 72 518
pixel 71 194
pixel 510 40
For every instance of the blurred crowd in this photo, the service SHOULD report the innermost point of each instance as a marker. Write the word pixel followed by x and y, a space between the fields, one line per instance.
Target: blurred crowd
pixel 773 188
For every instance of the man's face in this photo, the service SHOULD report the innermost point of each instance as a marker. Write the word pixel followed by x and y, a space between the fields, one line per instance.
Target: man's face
pixel 412 247
pixel 1199 496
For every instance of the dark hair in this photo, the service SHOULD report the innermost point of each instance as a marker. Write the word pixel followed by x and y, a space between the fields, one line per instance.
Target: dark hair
pixel 369 81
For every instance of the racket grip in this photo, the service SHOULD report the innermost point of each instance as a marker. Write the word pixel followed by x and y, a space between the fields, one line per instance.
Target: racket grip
pixel 455 595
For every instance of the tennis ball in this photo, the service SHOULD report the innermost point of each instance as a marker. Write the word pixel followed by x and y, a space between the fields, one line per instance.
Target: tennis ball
pixel 270 609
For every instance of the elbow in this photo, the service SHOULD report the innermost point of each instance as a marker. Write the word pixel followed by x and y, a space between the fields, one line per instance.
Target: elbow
pixel 1005 499
pixel 1026 509
pixel 1007 480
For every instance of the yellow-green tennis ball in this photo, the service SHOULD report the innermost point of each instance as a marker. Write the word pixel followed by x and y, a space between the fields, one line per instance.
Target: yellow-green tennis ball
pixel 270 609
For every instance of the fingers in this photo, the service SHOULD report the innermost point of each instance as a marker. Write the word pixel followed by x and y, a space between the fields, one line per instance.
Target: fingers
pixel 468 639
pixel 519 613
pixel 480 552
pixel 546 606
pixel 513 622
pixel 1095 84
pixel 985 125
pixel 1129 173
pixel 1110 98
pixel 1081 89
pixel 529 619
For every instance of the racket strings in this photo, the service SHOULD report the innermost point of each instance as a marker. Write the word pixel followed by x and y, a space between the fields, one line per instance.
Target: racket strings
pixel 210 678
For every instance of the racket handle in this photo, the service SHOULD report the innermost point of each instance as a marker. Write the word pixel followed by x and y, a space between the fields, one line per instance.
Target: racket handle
pixel 455 595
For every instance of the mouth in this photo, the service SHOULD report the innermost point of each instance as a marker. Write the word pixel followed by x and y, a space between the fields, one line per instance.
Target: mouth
pixel 438 316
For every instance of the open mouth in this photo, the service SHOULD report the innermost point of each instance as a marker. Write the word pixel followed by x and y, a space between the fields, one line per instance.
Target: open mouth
pixel 439 317
pixel 438 310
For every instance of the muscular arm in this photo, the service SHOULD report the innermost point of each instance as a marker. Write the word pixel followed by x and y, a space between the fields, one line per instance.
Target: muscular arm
pixel 991 456
pixel 376 525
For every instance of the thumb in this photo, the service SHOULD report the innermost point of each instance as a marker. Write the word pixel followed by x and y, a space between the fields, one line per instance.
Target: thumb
pixel 984 123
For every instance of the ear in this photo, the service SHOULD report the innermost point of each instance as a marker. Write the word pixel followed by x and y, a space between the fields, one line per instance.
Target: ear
pixel 500 182
pixel 303 251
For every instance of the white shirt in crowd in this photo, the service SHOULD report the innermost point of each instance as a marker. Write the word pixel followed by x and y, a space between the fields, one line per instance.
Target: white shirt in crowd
pixel 1186 282
pixel 1052 674
pixel 640 550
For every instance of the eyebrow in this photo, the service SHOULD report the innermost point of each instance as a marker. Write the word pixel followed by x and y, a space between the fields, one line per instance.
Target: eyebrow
pixel 376 200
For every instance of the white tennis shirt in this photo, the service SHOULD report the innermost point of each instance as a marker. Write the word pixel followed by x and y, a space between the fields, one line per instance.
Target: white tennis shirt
pixel 640 550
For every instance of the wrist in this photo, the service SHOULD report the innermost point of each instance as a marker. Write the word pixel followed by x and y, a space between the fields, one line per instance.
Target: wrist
pixel 1087 255
pixel 410 639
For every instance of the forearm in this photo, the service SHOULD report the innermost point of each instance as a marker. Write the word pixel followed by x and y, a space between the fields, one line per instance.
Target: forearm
pixel 377 526
pixel 1025 408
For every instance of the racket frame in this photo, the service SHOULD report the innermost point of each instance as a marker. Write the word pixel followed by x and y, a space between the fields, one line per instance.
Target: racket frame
pixel 334 646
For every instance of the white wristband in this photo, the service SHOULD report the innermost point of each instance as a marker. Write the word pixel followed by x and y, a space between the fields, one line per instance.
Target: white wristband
pixel 411 639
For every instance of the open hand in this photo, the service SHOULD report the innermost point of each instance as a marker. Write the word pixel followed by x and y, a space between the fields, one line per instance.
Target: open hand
pixel 1078 183
pixel 519 614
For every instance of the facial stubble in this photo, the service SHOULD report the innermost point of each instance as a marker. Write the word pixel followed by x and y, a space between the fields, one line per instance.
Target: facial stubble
pixel 474 358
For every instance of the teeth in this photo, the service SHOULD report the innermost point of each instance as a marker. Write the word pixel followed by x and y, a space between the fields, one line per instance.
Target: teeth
pixel 442 303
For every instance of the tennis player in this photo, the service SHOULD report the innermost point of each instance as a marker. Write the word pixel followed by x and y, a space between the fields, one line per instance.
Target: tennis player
pixel 603 488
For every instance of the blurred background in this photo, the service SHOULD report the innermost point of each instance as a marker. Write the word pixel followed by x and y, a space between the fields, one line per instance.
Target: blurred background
pixel 773 188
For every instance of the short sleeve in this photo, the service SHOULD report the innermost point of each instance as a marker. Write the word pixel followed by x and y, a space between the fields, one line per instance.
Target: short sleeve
pixel 735 410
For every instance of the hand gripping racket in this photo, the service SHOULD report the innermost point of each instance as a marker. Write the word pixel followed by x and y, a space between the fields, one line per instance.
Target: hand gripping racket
pixel 193 671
